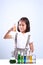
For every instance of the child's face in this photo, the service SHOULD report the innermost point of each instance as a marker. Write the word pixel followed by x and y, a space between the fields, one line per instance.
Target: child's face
pixel 22 26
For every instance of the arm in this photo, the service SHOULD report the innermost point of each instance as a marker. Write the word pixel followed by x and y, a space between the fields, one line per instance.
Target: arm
pixel 7 36
pixel 31 47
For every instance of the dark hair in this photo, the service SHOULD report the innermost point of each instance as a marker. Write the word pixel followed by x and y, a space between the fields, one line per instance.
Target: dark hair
pixel 25 19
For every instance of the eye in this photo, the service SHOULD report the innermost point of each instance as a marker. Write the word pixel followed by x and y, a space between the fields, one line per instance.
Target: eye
pixel 19 24
pixel 22 24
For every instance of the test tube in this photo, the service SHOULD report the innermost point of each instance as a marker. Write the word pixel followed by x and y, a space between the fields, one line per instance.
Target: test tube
pixel 14 27
pixel 19 60
pixel 22 58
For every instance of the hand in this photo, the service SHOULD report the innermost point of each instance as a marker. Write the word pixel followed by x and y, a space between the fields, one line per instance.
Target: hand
pixel 11 29
pixel 14 28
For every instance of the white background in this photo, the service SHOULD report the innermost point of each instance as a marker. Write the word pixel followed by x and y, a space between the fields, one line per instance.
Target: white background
pixel 10 12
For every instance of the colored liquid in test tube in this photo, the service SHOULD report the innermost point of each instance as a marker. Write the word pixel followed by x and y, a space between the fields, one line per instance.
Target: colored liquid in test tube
pixel 19 60
pixel 30 59
pixel 14 27
pixel 22 58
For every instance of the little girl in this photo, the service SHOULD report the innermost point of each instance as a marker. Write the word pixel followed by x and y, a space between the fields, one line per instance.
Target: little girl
pixel 23 31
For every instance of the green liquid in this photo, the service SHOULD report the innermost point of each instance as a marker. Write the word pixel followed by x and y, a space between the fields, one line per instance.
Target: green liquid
pixel 22 59
pixel 19 59
pixel 12 61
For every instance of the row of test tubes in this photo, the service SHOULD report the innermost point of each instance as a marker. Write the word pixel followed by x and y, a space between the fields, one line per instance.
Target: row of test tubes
pixel 26 59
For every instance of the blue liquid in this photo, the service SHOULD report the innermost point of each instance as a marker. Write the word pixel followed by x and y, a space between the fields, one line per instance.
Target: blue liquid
pixel 24 59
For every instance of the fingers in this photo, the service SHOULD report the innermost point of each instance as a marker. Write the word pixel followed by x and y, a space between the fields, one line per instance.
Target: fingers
pixel 13 28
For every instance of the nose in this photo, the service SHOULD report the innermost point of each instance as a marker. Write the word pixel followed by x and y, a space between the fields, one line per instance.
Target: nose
pixel 21 26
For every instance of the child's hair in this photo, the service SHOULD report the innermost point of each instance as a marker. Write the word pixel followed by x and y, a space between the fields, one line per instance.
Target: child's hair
pixel 24 19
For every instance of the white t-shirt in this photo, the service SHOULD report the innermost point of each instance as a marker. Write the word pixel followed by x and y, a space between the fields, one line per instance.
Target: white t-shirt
pixel 21 39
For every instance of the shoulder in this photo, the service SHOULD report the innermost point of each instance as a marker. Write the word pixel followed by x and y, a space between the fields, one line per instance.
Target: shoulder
pixel 28 33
